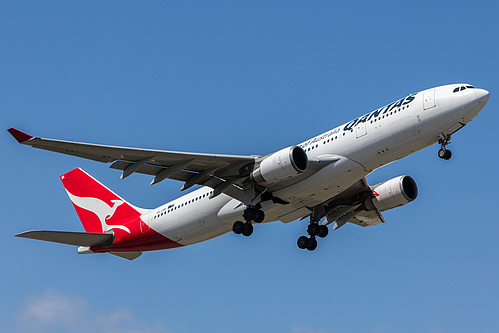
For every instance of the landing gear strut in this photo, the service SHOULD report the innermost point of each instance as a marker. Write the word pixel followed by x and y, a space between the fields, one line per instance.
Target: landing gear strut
pixel 443 153
pixel 250 214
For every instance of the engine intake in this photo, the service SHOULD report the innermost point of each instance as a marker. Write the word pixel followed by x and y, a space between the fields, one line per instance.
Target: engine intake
pixel 284 164
pixel 393 193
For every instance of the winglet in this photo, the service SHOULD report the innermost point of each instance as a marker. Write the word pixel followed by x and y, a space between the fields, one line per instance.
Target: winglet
pixel 18 135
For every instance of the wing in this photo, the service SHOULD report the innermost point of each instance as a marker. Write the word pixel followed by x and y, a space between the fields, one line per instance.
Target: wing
pixel 223 173
pixel 349 207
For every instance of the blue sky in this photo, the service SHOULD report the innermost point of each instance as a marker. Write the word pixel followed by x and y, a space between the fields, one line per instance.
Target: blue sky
pixel 246 78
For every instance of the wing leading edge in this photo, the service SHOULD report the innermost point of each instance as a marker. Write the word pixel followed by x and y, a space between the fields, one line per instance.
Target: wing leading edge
pixel 224 173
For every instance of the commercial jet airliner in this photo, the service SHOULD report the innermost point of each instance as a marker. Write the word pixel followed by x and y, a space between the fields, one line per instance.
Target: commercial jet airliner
pixel 322 179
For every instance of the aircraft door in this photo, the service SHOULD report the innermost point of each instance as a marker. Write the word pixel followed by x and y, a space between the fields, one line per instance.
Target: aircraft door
pixel 361 129
pixel 429 99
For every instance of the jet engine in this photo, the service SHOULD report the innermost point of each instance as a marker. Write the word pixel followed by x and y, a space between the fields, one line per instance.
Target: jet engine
pixel 281 165
pixel 393 193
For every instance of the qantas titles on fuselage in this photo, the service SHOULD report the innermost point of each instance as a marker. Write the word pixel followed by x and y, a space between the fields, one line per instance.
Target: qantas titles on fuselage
pixel 402 103
pixel 316 179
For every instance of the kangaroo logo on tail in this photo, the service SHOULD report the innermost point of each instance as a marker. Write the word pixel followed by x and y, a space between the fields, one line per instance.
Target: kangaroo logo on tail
pixel 99 208
pixel 89 195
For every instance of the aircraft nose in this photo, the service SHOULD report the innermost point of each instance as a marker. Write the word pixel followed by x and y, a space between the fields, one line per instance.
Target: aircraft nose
pixel 482 96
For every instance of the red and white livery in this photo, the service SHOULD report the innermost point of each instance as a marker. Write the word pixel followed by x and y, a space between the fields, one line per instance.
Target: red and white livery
pixel 322 178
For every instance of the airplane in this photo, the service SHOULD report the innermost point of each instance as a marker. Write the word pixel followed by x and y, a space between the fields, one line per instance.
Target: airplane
pixel 321 179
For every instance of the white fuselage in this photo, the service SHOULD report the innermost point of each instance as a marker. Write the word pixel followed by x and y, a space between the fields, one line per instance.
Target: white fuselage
pixel 363 145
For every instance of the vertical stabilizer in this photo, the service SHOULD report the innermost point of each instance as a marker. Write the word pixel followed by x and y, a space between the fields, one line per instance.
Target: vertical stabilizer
pixel 98 208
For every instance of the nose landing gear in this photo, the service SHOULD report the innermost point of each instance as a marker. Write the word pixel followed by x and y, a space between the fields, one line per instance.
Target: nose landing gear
pixel 444 153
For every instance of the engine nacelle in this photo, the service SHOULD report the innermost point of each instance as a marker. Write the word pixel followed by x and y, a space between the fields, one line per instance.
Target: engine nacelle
pixel 393 193
pixel 281 165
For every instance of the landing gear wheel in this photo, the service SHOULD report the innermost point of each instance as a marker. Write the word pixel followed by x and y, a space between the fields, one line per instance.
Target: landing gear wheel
pixel 323 231
pixel 260 216
pixel 248 229
pixel 250 214
pixel 312 244
pixel 448 155
pixel 444 154
pixel 313 229
pixel 302 242
pixel 238 227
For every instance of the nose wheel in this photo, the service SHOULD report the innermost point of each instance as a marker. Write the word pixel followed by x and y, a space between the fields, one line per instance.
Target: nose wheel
pixel 444 153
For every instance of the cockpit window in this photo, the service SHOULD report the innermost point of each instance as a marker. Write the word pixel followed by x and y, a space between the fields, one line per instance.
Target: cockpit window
pixel 462 88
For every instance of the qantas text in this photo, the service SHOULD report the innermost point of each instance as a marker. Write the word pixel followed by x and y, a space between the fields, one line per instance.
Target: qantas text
pixel 367 117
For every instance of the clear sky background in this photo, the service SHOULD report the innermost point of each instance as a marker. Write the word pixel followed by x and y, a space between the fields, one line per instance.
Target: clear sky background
pixel 246 78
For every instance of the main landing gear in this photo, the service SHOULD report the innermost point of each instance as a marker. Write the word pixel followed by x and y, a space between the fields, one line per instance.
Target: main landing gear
pixel 314 229
pixel 250 214
pixel 443 153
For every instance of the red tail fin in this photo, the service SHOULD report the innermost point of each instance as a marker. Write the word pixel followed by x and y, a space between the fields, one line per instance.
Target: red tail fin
pixel 98 208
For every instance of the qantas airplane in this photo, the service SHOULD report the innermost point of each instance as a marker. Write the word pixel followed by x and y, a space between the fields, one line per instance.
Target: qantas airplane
pixel 322 179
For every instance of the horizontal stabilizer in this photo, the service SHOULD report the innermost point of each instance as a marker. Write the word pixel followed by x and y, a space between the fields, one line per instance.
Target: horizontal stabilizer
pixel 127 255
pixel 68 237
